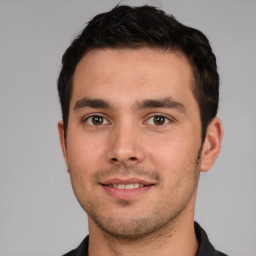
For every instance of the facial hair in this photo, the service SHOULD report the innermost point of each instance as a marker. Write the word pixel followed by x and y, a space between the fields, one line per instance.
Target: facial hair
pixel 129 227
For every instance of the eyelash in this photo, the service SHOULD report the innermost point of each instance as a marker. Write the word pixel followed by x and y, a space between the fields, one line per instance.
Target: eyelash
pixel 166 119
pixel 86 119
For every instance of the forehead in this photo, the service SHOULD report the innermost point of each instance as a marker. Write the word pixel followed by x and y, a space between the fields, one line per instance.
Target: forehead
pixel 135 72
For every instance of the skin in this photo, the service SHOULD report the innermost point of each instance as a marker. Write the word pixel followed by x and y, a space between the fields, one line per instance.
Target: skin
pixel 160 145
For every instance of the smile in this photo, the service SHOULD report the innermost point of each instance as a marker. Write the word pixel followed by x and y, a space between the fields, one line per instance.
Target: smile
pixel 126 186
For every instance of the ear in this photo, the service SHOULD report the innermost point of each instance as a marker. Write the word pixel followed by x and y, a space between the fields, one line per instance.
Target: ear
pixel 212 144
pixel 63 142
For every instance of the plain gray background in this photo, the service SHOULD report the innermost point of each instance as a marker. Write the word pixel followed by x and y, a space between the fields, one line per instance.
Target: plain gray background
pixel 39 214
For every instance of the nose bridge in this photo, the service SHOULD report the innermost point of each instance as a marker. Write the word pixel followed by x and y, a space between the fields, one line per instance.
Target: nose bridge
pixel 125 147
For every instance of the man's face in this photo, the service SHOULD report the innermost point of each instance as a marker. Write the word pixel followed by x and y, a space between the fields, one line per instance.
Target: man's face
pixel 133 139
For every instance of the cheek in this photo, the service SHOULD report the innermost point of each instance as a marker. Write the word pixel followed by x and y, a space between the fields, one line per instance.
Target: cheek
pixel 84 153
pixel 83 159
pixel 171 151
pixel 175 160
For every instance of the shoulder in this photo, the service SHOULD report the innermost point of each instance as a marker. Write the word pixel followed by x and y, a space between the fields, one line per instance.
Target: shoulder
pixel 71 253
pixel 205 247
pixel 220 254
pixel 81 250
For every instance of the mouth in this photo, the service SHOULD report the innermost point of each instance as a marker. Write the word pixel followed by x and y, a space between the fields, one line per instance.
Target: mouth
pixel 126 189
pixel 126 186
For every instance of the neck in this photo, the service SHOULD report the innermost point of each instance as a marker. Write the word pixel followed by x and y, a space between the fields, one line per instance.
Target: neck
pixel 177 238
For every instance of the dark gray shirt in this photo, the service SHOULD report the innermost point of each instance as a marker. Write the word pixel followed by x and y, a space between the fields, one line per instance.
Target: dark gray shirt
pixel 205 247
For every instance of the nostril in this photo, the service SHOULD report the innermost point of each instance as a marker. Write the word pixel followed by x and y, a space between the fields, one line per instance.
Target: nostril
pixel 124 160
pixel 114 159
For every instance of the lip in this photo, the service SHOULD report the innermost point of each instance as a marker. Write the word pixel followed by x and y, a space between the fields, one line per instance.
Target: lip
pixel 126 194
pixel 126 181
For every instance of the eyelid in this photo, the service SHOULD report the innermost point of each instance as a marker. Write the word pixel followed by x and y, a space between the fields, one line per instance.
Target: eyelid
pixel 169 118
pixel 86 117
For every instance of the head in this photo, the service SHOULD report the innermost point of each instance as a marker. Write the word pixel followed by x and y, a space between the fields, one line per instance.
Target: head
pixel 139 95
pixel 137 27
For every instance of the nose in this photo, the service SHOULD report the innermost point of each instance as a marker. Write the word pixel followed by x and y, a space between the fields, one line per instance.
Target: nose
pixel 125 146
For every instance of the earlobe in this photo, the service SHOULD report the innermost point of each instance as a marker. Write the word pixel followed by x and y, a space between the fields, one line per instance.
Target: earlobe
pixel 212 144
pixel 63 142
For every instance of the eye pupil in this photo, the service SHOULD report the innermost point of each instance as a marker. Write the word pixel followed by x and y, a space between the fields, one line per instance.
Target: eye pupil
pixel 159 120
pixel 97 120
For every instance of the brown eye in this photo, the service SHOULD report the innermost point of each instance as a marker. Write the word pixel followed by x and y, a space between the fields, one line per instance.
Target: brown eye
pixel 159 120
pixel 96 120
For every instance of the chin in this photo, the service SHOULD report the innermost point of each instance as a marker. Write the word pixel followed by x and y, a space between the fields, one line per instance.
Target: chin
pixel 133 227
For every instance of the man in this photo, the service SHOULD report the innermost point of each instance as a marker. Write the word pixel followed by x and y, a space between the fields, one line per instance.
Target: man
pixel 139 98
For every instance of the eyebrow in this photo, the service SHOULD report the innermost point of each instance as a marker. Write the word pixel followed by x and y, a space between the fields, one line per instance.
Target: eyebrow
pixel 167 102
pixel 91 103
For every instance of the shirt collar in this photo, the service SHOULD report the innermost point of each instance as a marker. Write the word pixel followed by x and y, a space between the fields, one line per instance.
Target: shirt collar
pixel 205 247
